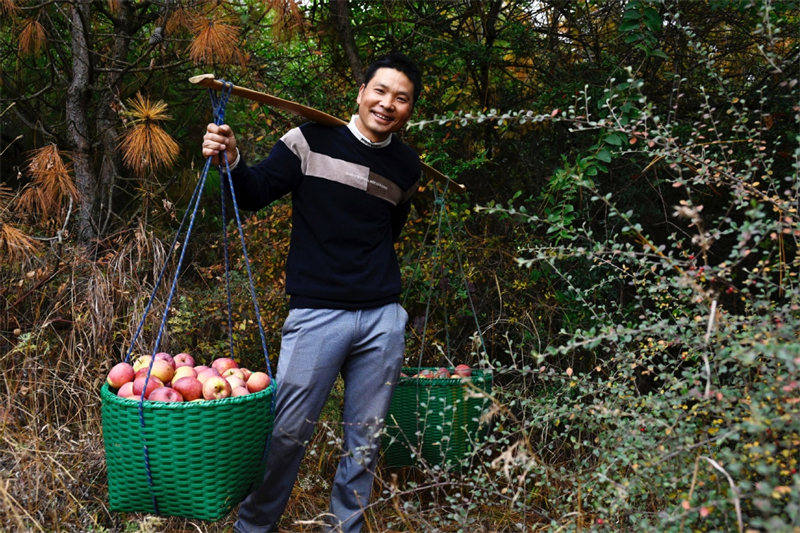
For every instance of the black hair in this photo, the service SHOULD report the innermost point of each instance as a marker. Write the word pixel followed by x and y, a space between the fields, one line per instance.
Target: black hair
pixel 397 61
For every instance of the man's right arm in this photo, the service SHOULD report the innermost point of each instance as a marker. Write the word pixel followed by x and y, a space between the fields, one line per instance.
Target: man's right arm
pixel 261 184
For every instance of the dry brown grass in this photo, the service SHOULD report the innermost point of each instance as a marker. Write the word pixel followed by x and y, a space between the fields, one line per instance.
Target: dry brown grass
pixel 146 147
pixel 32 37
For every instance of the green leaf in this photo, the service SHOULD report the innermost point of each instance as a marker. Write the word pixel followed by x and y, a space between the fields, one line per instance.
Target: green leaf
pixel 652 19
pixel 604 155
pixel 625 27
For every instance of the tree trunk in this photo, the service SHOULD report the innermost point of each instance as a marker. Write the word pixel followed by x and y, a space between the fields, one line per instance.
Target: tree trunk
pixel 107 120
pixel 341 17
pixel 77 127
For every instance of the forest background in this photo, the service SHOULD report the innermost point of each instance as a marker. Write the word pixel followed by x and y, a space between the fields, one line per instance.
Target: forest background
pixel 624 257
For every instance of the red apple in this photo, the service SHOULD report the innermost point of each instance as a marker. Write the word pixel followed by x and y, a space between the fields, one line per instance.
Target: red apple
pixel 234 372
pixel 166 357
pixel 200 368
pixel 235 381
pixel 183 359
pixel 183 372
pixel 121 374
pixel 165 394
pixel 162 370
pixel 189 387
pixel 222 364
pixel 203 375
pixel 153 384
pixel 142 361
pixel 126 391
pixel 427 373
pixel 246 373
pixel 442 373
pixel 463 370
pixel 216 388
pixel 240 391
pixel 258 381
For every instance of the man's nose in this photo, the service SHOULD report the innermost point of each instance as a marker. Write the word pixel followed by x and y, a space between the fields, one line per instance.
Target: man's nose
pixel 386 101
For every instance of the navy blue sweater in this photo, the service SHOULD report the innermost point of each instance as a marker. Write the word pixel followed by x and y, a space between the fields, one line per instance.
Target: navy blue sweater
pixel 349 203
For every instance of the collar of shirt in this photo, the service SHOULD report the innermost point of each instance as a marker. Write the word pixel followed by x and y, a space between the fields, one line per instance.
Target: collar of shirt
pixel 360 136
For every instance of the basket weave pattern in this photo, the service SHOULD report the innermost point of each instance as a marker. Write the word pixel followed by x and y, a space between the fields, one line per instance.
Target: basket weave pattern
pixel 435 416
pixel 204 456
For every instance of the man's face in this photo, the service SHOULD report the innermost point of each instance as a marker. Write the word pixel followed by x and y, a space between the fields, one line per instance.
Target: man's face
pixel 384 104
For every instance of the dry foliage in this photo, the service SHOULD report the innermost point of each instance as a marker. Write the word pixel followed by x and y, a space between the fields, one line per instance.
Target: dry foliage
pixel 15 244
pixel 8 7
pixel 146 145
pixel 32 38
pixel 6 194
pixel 51 176
pixel 215 39
pixel 288 19
pixel 115 6
pixel 180 19
pixel 31 201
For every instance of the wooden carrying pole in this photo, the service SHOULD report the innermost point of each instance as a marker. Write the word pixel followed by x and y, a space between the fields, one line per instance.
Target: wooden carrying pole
pixel 314 115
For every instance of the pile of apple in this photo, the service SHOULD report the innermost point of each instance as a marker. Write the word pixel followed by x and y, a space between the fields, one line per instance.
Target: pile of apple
pixel 177 379
pixel 461 372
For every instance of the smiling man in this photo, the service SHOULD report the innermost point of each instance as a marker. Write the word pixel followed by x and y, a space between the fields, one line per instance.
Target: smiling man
pixel 350 188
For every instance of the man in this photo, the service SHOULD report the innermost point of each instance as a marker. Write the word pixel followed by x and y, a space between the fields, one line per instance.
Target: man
pixel 350 189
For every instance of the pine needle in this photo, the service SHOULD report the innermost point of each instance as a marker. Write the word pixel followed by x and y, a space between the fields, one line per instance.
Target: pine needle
pixel 287 19
pixel 32 38
pixel 214 40
pixel 51 176
pixel 14 244
pixel 8 7
pixel 6 194
pixel 146 145
pixel 31 201
pixel 180 19
pixel 115 6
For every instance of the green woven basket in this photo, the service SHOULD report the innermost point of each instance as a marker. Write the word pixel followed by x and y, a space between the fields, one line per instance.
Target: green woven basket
pixel 437 418
pixel 204 456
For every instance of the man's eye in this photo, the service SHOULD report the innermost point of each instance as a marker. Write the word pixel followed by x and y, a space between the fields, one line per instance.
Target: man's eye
pixel 402 100
pixel 379 91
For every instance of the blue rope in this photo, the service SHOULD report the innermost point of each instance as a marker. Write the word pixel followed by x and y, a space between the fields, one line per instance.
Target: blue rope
pixel 219 114
pixel 227 261
pixel 218 107
pixel 252 293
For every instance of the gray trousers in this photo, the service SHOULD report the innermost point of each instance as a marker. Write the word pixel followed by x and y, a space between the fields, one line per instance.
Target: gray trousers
pixel 366 346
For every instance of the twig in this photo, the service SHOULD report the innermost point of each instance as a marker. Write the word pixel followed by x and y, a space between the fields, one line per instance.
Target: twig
pixel 706 363
pixel 18 137
pixel 734 491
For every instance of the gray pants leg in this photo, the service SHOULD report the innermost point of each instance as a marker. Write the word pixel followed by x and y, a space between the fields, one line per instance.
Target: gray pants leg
pixel 370 374
pixel 367 346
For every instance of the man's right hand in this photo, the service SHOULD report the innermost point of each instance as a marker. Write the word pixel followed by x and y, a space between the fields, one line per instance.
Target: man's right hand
pixel 218 139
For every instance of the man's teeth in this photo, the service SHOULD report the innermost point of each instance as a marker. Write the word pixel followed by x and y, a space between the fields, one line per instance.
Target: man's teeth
pixel 384 117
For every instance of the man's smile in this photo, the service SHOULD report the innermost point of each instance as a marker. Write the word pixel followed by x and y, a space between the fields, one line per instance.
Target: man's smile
pixel 382 117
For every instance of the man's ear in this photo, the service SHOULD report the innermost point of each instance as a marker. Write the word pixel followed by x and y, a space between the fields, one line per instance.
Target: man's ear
pixel 360 92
